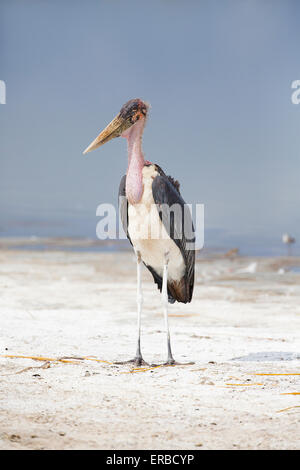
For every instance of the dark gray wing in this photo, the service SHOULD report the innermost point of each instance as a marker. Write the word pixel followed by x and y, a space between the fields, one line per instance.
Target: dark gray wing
pixel 177 220
pixel 182 293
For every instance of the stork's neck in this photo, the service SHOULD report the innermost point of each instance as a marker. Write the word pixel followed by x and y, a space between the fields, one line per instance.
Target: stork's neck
pixel 134 177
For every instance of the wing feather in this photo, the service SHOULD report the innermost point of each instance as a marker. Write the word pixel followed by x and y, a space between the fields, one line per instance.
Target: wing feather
pixel 166 193
pixel 178 224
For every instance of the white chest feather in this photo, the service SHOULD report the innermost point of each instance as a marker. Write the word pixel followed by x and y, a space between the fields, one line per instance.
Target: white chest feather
pixel 148 234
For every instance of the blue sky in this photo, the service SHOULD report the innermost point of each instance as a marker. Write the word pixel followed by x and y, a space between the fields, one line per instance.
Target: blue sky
pixel 218 75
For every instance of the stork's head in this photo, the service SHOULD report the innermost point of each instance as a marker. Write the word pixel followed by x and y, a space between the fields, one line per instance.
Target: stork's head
pixel 131 112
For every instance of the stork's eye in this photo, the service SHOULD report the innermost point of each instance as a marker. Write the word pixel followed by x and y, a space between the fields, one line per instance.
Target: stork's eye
pixel 135 117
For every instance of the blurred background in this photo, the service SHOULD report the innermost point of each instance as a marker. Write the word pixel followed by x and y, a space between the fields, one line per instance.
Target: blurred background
pixel 218 75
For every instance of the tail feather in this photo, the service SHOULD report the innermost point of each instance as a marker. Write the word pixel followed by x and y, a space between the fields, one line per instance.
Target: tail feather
pixel 177 291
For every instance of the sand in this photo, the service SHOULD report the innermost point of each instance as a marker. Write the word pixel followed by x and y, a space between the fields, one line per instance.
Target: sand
pixel 244 321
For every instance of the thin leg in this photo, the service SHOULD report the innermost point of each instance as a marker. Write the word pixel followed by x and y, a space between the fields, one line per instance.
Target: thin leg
pixel 138 360
pixel 139 301
pixel 164 292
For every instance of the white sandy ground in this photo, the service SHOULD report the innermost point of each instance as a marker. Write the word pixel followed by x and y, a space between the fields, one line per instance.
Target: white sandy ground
pixel 59 304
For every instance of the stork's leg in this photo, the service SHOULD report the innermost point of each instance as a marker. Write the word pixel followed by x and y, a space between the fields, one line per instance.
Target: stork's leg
pixel 139 300
pixel 138 359
pixel 164 292
pixel 165 302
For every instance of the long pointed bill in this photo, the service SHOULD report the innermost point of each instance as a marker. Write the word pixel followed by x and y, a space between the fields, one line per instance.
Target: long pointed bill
pixel 114 129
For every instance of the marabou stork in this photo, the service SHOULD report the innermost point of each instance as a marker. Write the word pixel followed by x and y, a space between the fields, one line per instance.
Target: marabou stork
pixel 171 257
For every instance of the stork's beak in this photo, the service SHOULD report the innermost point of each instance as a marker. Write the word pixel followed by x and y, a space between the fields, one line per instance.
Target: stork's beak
pixel 114 129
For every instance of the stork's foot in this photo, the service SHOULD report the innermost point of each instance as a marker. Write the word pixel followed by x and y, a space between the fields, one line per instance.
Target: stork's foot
pixel 172 362
pixel 175 363
pixel 137 361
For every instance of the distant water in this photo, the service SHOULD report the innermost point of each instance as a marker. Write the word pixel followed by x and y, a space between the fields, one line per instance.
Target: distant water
pixel 77 244
pixel 63 243
pixel 294 269
pixel 81 236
